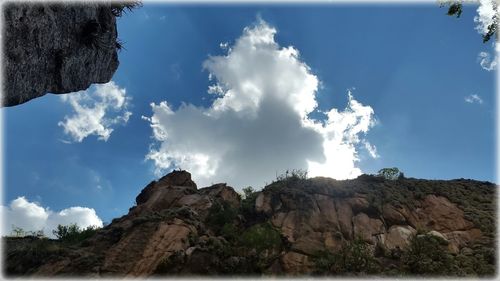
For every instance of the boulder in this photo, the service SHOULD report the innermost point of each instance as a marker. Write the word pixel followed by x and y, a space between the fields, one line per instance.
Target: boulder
pixel 359 203
pixel 294 263
pixel 327 212
pixel 366 227
pixel 392 216
pixel 460 239
pixel 437 234
pixel 263 203
pixel 344 213
pixel 178 178
pixel 398 236
pixel 223 192
pixel 439 214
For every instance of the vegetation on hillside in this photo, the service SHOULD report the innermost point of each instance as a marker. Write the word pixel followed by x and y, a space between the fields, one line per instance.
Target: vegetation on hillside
pixel 73 233
pixel 236 239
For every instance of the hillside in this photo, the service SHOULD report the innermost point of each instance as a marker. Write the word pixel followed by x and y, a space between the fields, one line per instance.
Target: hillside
pixel 294 226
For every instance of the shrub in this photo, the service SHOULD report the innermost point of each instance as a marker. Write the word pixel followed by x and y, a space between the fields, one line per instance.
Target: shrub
pixel 427 255
pixel 20 232
pixel 25 258
pixel 230 232
pixel 248 203
pixel 357 257
pixel 390 173
pixel 73 234
pixel 294 174
pixel 220 214
pixel 354 257
pixel 324 261
pixel 17 231
pixel 261 237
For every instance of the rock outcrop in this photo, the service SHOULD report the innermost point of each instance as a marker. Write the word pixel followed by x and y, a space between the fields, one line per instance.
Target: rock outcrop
pixel 56 48
pixel 176 228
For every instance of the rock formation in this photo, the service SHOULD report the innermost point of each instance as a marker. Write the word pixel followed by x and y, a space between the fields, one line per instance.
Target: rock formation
pixel 56 48
pixel 178 229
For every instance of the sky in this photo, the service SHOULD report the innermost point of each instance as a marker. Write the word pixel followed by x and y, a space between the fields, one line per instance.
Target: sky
pixel 241 93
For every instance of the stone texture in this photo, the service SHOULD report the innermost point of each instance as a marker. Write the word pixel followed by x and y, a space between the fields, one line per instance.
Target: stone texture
pixel 263 203
pixel 345 215
pixel 398 236
pixel 439 214
pixel 295 263
pixel 56 48
pixel 172 219
pixel 392 215
pixel 460 239
pixel 366 227
pixel 358 203
pixel 136 256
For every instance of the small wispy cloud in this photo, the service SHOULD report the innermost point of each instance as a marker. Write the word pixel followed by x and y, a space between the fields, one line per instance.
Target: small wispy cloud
pixel 372 150
pixel 175 71
pixel 473 99
pixel 96 111
pixel 486 61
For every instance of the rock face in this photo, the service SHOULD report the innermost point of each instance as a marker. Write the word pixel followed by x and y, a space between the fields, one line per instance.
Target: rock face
pixel 176 228
pixel 56 48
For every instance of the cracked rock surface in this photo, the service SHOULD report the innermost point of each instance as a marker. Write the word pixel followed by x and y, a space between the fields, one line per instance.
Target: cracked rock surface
pixel 56 48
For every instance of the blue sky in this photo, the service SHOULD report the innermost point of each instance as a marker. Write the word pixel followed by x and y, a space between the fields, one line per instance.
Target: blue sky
pixel 412 65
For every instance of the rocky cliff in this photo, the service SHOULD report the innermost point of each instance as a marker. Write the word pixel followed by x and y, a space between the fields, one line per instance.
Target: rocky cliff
pixel 57 48
pixel 294 226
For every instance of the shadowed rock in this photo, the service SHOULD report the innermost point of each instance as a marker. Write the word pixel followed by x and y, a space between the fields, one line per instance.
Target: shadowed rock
pixel 56 48
pixel 178 229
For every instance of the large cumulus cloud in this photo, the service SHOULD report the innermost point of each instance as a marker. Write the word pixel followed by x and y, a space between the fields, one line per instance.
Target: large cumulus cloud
pixel 259 122
pixel 31 216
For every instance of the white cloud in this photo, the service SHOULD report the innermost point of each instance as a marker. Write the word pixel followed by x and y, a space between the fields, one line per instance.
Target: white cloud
pixel 31 216
pixel 486 62
pixel 372 150
pixel 96 111
pixel 486 15
pixel 258 123
pixel 473 99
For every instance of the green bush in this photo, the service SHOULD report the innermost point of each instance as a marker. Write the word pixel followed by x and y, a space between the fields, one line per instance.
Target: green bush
pixel 25 258
pixel 427 255
pixel 17 231
pixel 325 261
pixel 357 257
pixel 390 173
pixel 248 202
pixel 219 215
pixel 291 175
pixel 230 232
pixel 20 232
pixel 261 237
pixel 354 257
pixel 73 234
